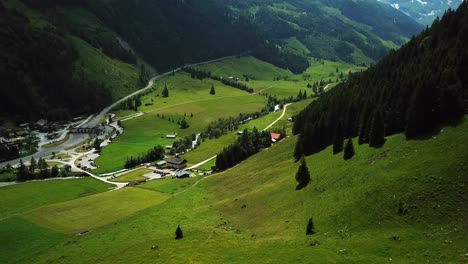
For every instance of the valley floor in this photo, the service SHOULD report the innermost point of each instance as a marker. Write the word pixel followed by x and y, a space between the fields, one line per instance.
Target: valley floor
pixel 402 203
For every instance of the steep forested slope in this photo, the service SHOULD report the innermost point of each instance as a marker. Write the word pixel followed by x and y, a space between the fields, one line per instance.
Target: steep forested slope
pixel 414 89
pixel 354 31
pixel 37 72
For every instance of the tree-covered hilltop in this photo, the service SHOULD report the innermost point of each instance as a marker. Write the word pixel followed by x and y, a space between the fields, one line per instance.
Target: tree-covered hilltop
pixel 413 90
pixel 360 31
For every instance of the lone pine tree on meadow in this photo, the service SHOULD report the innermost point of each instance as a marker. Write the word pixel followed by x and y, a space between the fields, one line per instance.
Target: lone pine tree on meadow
pixel 178 233
pixel 165 92
pixel 212 90
pixel 310 230
pixel 349 150
pixel 302 175
pixel 184 124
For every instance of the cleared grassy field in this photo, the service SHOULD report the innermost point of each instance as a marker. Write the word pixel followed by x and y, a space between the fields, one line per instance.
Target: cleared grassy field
pixel 94 211
pixel 253 213
pixel 140 135
pixel 135 175
pixel 20 198
pixel 315 73
pixel 20 239
pixel 183 90
pixel 250 66
pixel 169 185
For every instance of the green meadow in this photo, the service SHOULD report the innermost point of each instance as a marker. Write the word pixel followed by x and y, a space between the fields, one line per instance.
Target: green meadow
pixel 188 98
pixel 135 175
pixel 82 215
pixel 23 197
pixel 402 203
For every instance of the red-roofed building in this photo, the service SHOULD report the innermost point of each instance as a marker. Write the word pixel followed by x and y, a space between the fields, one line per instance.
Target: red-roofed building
pixel 275 137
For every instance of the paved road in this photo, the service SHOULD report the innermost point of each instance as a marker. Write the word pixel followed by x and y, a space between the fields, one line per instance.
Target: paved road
pixel 75 139
pixel 279 118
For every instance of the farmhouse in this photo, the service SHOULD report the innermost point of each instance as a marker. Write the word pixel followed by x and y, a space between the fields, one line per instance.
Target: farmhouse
pixel 171 136
pixel 176 163
pixel 275 137
pixel 182 174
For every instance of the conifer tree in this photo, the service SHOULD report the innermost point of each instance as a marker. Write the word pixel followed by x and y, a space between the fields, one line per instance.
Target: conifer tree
pixel 43 168
pixel 178 233
pixel 377 132
pixel 184 124
pixel 97 144
pixel 212 90
pixel 310 230
pixel 54 172
pixel 22 173
pixel 32 166
pixel 349 150
pixel 165 92
pixel 302 175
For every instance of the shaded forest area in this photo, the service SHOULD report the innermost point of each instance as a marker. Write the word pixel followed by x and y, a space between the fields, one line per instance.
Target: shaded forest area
pixel 414 90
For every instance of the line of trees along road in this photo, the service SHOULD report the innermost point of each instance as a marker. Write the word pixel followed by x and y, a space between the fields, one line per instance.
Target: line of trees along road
pixel 414 90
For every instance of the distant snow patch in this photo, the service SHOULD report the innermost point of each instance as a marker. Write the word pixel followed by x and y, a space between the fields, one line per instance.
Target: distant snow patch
pixel 422 2
pixel 396 5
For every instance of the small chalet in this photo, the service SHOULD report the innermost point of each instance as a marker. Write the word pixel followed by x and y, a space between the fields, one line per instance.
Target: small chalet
pixel 275 137
pixel 176 163
pixel 182 174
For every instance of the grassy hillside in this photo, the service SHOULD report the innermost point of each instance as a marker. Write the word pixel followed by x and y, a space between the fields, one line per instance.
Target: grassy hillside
pixel 402 203
pixel 245 67
pixel 23 197
pixel 115 77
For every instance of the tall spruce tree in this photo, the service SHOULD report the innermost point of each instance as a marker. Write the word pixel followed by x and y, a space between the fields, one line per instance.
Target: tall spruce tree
pixel 377 132
pixel 43 168
pixel 302 175
pixel 310 230
pixel 32 166
pixel 178 233
pixel 22 174
pixel 212 90
pixel 348 150
pixel 165 92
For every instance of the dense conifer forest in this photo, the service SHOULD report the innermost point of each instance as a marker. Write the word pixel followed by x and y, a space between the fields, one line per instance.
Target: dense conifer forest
pixel 414 90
